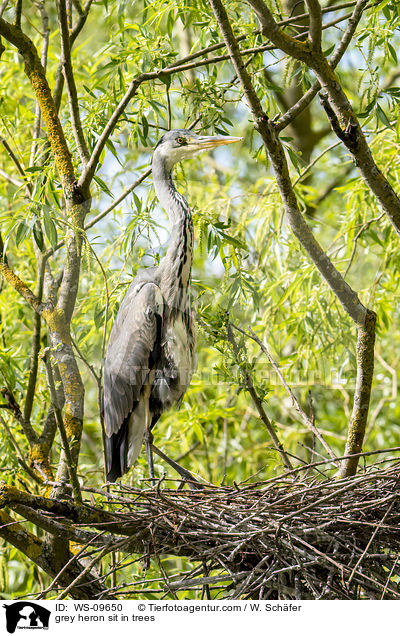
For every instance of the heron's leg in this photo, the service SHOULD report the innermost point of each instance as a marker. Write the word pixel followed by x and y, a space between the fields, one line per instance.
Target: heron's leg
pixel 185 474
pixel 148 438
pixel 148 442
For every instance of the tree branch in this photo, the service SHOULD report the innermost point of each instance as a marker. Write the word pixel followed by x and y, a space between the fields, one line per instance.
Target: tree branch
pixel 248 383
pixel 86 515
pixel 21 459
pixel 362 394
pixel 315 31
pixel 13 406
pixel 15 182
pixel 270 28
pixel 33 363
pixel 19 286
pixel 58 415
pixel 346 126
pixel 247 521
pixel 91 166
pixel 36 75
pixel 341 289
pixel 77 203
pixel 309 95
pixel 308 421
pixel 3 6
pixel 177 67
pixel 63 531
pixel 70 83
pixel 18 14
pixel 59 83
pixel 363 318
pixel 30 545
pixel 347 121
pixel 13 157
pixel 45 47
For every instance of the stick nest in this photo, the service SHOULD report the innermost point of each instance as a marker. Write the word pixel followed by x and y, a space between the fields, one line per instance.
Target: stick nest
pixel 292 537
pixel 283 539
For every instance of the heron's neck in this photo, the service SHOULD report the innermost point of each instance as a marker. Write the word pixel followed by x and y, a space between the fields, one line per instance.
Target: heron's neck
pixel 176 266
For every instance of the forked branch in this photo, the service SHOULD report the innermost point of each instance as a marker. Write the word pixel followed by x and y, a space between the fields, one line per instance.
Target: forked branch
pixel 345 294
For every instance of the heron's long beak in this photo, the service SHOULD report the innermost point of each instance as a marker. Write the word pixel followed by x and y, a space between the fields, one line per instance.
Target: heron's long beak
pixel 212 142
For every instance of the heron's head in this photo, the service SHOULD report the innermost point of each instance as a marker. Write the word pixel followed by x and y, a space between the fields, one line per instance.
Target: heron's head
pixel 177 145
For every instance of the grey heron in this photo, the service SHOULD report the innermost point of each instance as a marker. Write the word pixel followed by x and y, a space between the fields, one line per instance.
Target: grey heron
pixel 151 353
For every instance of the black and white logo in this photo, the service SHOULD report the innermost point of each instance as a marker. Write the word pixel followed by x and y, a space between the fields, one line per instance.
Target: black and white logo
pixel 26 615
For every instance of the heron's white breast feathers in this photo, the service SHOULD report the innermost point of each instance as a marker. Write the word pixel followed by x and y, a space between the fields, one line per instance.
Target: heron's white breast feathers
pixel 180 347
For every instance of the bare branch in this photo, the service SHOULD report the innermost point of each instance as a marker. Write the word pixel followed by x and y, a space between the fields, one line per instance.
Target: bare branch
pixel 339 110
pixel 88 172
pixel 12 156
pixel 82 575
pixel 315 31
pixel 271 29
pixel 77 6
pixel 3 6
pixel 363 318
pixel 185 474
pixel 77 203
pixel 375 532
pixel 327 522
pixel 70 83
pixel 59 83
pixel 74 558
pixel 346 126
pixel 18 13
pixel 30 545
pixel 61 531
pixel 45 47
pixel 314 161
pixel 49 428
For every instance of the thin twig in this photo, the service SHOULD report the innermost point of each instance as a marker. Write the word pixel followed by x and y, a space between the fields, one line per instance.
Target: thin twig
pixel 308 422
pixel 70 83
pixel 376 530
pixel 248 382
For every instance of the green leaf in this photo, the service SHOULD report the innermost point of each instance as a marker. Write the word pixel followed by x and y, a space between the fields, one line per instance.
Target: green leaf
pixel 38 236
pixel 22 231
pixel 34 169
pixel 381 5
pixel 103 186
pixel 392 52
pixel 49 227
pixel 382 116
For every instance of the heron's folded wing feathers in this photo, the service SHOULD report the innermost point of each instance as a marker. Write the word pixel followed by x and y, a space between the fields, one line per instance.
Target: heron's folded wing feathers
pixel 132 351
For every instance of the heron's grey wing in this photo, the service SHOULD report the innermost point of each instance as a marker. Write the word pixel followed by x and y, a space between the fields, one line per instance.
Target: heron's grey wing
pixel 132 351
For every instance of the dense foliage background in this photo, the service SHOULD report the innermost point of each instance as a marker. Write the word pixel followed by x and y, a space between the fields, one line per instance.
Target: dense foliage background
pixel 249 269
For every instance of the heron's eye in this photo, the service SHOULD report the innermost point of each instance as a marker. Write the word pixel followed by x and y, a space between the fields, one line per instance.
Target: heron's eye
pixel 180 140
